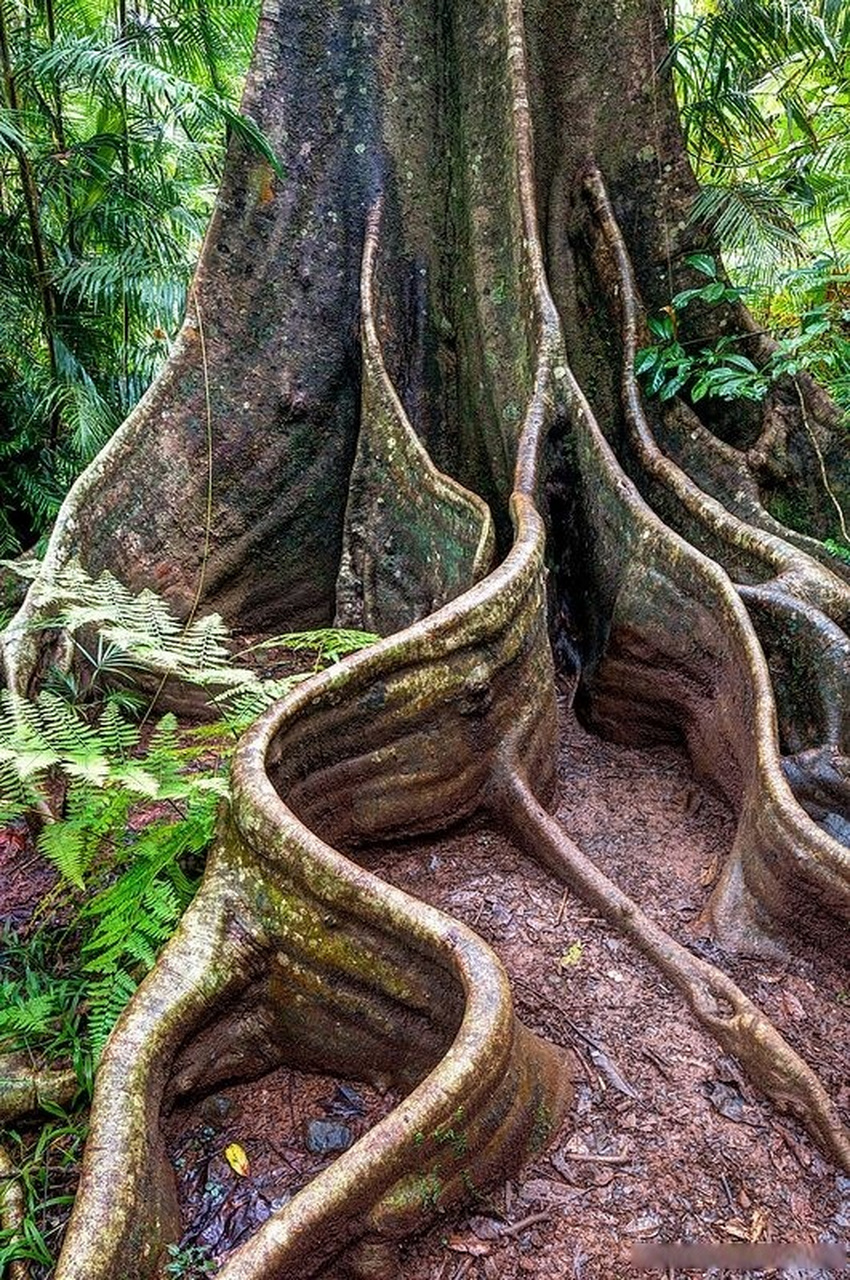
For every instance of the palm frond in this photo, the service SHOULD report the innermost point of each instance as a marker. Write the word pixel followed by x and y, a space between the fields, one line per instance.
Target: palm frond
pixel 748 217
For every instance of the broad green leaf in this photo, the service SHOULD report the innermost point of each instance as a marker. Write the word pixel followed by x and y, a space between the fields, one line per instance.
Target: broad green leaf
pixel 741 362
pixel 661 326
pixel 646 358
pixel 703 262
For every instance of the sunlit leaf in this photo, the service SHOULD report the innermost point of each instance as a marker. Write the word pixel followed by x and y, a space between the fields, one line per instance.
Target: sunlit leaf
pixel 237 1159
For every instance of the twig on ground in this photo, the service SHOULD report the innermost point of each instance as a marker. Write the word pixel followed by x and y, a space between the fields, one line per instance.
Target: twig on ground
pixel 590 1158
pixel 516 1228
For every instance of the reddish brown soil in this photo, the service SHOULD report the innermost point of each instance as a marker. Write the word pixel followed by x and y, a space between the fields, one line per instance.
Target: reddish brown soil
pixel 25 877
pixel 221 1204
pixel 666 1164
pixel 666 1142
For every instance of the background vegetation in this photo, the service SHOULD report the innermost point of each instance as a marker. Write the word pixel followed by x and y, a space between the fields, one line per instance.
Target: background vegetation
pixel 113 121
pixel 764 91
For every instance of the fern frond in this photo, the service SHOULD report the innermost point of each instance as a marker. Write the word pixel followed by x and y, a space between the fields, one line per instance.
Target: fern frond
pixel 23 1016
pixel 80 751
pixel 65 845
pixel 747 216
pixel 329 643
pixel 28 569
pixel 118 736
pixel 107 998
pixel 23 745
pixel 243 703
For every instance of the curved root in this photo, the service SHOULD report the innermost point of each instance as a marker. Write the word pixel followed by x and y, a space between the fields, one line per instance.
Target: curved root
pixel 291 951
pixel 12 1211
pixel 716 1002
pixel 24 1091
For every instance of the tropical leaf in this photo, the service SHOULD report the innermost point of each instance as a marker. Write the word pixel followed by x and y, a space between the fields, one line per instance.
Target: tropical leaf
pixel 121 124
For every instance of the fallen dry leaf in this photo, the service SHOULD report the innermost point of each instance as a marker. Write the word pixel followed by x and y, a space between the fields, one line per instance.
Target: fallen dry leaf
pixel 485 1228
pixel 709 873
pixel 793 1007
pixel 737 1229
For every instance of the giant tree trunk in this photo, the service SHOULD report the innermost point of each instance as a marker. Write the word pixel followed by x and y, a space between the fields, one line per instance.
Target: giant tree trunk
pixel 404 396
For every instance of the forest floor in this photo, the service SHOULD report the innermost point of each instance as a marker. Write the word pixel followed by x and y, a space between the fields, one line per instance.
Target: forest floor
pixel 666 1141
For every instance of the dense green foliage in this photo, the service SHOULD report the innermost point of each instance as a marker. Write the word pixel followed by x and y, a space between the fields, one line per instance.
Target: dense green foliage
pixel 125 811
pixel 764 90
pixel 113 123
pixel 722 369
pixel 112 131
pixel 131 827
pixel 126 814
pixel 46 1172
pixel 670 366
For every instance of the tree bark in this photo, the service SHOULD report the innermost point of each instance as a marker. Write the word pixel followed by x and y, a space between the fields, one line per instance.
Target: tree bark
pixel 405 395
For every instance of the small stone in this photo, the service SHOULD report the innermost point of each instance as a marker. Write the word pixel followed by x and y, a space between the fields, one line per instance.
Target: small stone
pixel 217 1110
pixel 327 1136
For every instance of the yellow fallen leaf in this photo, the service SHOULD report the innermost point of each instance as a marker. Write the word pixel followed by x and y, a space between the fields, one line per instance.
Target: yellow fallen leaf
pixel 237 1159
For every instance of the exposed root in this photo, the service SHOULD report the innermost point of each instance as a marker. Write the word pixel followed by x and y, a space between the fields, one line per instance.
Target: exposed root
pixel 821 777
pixel 709 677
pixel 748 553
pixel 830 492
pixel 729 475
pixel 717 1003
pixel 291 951
pixel 809 660
pixel 341 973
pixel 24 1091
pixel 12 1211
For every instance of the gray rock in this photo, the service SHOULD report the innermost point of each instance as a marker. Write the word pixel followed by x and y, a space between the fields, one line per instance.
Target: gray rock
pixel 326 1136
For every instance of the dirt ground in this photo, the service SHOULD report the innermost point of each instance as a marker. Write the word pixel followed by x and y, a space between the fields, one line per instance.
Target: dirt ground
pixel 666 1142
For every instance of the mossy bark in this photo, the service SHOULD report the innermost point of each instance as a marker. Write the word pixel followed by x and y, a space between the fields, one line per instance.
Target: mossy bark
pixel 405 395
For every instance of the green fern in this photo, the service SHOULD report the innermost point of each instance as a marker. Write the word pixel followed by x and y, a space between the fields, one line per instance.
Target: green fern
pixel 329 644
pixel 25 1016
pixel 148 634
pixel 41 1001
pixel 839 549
pixel 107 997
pixel 142 627
pixel 130 872
pixel 245 702
pixel 128 922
